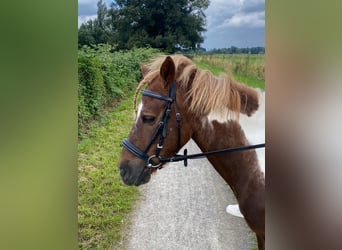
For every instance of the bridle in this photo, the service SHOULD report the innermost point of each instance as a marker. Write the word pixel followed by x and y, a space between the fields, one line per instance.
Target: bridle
pixel 161 131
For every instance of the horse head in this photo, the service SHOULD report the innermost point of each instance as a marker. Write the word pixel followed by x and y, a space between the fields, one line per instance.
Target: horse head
pixel 151 124
pixel 177 94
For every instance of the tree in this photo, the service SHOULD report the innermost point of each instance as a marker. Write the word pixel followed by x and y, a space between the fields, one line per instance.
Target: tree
pixel 95 31
pixel 166 24
pixel 86 34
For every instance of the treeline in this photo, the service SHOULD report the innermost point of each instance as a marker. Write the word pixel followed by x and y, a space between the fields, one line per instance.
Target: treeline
pixel 236 50
pixel 164 24
pixel 104 77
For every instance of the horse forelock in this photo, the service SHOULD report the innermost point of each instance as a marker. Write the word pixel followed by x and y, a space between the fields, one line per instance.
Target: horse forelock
pixel 144 82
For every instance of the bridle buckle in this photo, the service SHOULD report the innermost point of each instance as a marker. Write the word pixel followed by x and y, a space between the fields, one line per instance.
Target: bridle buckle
pixel 150 162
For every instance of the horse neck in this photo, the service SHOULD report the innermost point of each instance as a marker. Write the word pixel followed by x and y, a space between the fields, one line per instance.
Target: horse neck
pixel 240 169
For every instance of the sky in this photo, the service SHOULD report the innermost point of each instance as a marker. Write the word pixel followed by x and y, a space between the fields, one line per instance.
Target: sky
pixel 239 23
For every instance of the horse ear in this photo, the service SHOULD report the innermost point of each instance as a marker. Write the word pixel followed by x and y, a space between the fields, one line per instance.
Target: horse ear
pixel 168 71
pixel 144 69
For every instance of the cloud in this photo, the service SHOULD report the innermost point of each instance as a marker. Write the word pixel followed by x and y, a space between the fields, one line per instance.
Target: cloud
pixel 238 23
pixel 248 20
pixel 252 6
pixel 219 10
pixel 235 13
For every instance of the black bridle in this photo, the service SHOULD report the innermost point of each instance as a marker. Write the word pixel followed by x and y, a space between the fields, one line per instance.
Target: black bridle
pixel 161 131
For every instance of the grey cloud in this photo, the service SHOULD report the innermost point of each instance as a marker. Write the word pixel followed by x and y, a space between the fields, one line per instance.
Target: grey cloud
pixel 87 9
pixel 248 20
pixel 253 6
pixel 235 22
pixel 222 12
pixel 219 10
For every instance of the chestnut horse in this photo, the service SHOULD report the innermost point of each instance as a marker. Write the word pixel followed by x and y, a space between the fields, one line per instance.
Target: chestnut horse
pixel 181 102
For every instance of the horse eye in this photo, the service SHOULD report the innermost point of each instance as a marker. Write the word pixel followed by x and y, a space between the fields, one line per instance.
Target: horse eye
pixel 148 119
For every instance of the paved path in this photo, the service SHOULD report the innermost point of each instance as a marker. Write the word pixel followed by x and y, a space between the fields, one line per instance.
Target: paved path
pixel 184 208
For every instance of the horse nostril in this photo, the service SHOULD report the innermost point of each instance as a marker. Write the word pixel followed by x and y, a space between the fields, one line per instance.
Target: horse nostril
pixel 122 171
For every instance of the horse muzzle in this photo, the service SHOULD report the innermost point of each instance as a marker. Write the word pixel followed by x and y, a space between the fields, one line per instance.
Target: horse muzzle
pixel 134 175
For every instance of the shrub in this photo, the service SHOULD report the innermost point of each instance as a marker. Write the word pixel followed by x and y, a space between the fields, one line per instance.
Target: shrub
pixel 103 78
pixel 91 86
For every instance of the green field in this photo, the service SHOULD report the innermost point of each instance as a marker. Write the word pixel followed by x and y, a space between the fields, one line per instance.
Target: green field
pixel 248 69
pixel 104 202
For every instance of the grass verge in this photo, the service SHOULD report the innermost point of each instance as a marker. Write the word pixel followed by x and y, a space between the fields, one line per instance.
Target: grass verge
pixel 103 200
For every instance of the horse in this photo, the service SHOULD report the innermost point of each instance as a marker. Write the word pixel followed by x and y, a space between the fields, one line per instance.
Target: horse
pixel 179 102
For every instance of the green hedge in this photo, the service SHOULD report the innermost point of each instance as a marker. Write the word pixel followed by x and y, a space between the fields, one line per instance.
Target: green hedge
pixel 104 77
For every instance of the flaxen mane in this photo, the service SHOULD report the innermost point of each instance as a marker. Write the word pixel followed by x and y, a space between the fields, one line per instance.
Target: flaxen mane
pixel 206 93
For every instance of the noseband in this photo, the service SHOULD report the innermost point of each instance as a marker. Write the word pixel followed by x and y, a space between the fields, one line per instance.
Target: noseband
pixel 160 131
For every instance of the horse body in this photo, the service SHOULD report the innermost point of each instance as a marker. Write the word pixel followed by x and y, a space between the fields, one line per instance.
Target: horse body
pixel 240 170
pixel 209 108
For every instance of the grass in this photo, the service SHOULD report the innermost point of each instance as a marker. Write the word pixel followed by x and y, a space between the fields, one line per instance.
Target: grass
pixel 255 83
pixel 204 65
pixel 103 200
pixel 248 69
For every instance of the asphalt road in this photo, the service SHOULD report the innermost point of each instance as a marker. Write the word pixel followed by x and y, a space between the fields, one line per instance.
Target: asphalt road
pixel 184 208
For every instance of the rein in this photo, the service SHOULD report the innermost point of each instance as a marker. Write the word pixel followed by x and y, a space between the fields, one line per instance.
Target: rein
pixel 185 156
pixel 161 131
